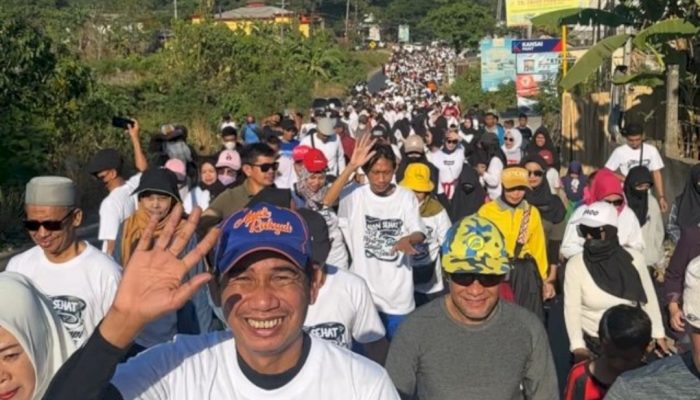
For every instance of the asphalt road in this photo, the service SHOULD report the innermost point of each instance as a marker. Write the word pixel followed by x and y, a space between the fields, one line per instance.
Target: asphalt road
pixel 377 81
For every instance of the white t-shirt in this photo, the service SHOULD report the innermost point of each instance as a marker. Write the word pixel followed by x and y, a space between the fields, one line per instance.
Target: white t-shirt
pixel 344 311
pixel 492 178
pixel 206 367
pixel 371 226
pixel 449 167
pixel 624 158
pixel 553 179
pixel 115 208
pixel 629 233
pixel 429 251
pixel 331 149
pixel 81 290
pixel 196 197
pixel 286 175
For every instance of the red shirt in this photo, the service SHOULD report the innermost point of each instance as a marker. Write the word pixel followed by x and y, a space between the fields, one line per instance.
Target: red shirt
pixel 582 385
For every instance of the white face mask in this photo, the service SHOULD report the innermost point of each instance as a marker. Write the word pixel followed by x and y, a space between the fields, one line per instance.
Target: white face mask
pixel 230 145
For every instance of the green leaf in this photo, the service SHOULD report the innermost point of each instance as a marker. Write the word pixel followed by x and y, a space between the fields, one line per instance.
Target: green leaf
pixel 651 79
pixel 665 30
pixel 592 60
pixel 582 16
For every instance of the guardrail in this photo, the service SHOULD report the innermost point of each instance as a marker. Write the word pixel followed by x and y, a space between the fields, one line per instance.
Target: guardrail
pixel 88 232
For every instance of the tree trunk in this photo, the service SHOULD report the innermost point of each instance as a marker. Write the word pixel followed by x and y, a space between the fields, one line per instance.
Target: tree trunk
pixel 671 145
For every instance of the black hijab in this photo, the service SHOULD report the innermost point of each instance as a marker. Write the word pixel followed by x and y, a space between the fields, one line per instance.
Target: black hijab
pixel 688 203
pixel 550 206
pixel 215 188
pixel 468 197
pixel 533 148
pixel 611 267
pixel 638 200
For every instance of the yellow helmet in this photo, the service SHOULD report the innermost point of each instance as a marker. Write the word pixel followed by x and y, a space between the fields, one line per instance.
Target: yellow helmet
pixel 475 245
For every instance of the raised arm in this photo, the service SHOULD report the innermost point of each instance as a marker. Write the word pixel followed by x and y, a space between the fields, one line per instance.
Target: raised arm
pixel 363 152
pixel 139 157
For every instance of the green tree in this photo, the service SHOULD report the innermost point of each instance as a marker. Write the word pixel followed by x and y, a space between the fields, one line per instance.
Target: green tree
pixel 462 24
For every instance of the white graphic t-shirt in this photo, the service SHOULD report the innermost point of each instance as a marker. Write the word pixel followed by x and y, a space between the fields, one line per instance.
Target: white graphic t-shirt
pixel 81 290
pixel 450 166
pixel 206 367
pixel 344 311
pixel 371 226
pixel 624 158
pixel 115 208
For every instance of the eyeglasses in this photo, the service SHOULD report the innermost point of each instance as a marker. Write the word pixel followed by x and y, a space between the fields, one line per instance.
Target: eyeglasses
pixel 585 231
pixel 34 225
pixel 267 166
pixel 452 141
pixel 538 173
pixel 484 280
pixel 616 203
pixel 510 139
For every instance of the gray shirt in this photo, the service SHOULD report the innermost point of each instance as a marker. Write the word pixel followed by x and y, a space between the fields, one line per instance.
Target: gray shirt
pixel 433 356
pixel 674 377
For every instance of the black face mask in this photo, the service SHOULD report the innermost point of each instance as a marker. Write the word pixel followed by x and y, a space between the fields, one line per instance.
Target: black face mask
pixel 641 193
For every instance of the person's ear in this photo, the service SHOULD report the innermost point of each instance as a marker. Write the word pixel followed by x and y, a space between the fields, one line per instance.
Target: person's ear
pixel 247 169
pixel 316 281
pixel 112 174
pixel 77 217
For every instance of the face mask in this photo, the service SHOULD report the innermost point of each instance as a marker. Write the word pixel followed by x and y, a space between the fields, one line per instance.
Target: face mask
pixel 230 145
pixel 467 188
pixel 226 179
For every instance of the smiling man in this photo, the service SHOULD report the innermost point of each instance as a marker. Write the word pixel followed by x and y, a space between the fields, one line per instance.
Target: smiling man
pixel 80 280
pixel 469 344
pixel 266 280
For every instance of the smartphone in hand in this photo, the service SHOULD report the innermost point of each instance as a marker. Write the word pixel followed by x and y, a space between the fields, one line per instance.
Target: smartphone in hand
pixel 122 122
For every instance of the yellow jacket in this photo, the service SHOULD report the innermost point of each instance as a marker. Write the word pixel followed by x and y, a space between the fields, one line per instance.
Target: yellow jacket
pixel 507 219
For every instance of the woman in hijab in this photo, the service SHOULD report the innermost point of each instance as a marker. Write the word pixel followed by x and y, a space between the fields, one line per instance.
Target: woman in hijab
pixel 602 276
pixel 209 179
pixel 685 212
pixel 469 195
pixel 513 140
pixel 495 162
pixel 604 187
pixel 32 336
pixel 158 196
pixel 637 185
pixel 573 183
pixel 542 141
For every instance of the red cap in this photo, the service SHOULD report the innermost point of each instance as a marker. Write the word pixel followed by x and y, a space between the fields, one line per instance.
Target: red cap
pixel 299 152
pixel 315 161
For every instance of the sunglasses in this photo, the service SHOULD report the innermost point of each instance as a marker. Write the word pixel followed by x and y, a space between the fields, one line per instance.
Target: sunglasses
pixel 510 139
pixel 616 203
pixel 452 141
pixel 585 231
pixel 267 167
pixel 538 173
pixel 34 225
pixel 468 279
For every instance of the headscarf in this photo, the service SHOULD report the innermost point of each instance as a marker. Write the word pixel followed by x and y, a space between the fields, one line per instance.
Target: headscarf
pixel 514 154
pixel 313 200
pixel 28 315
pixel 574 187
pixel 533 148
pixel 638 200
pixel 550 206
pixel 611 267
pixel 215 188
pixel 468 196
pixel 604 185
pixel 688 203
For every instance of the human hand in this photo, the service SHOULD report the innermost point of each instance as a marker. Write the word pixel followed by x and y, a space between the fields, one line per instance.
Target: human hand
pixel 133 130
pixel 548 291
pixel 404 246
pixel 663 204
pixel 582 354
pixel 676 317
pixel 152 282
pixel 661 348
pixel 363 151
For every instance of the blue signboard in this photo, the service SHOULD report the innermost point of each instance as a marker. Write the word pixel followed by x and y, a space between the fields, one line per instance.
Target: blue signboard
pixel 497 63
pixel 537 46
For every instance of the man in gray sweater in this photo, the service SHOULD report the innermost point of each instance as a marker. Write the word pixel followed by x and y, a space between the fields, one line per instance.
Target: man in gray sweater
pixel 468 344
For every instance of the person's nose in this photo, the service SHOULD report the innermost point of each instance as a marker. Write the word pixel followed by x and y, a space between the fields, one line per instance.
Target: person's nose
pixel 263 297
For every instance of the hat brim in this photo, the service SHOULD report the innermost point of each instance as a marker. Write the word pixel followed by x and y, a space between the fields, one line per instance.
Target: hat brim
pixel 518 185
pixel 140 190
pixel 424 188
pixel 299 259
pixel 593 223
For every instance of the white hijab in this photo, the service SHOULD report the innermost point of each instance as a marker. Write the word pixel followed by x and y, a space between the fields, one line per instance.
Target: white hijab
pixel 514 154
pixel 27 314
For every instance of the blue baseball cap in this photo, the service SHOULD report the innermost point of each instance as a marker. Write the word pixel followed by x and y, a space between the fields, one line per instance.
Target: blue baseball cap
pixel 260 227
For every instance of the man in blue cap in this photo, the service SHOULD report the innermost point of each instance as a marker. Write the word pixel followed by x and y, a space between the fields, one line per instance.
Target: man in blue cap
pixel 266 281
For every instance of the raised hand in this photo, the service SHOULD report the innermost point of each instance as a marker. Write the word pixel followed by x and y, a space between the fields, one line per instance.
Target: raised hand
pixel 152 282
pixel 363 151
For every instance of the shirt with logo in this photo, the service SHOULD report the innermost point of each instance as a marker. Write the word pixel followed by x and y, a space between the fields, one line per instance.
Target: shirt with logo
pixel 625 158
pixel 344 311
pixel 81 290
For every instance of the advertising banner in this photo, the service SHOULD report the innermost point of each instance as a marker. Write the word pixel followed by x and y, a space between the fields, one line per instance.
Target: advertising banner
pixel 404 34
pixel 497 63
pixel 537 63
pixel 519 12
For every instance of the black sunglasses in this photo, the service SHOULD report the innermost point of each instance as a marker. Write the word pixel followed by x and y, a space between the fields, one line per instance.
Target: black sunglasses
pixel 538 173
pixel 510 139
pixel 34 225
pixel 452 141
pixel 585 231
pixel 467 279
pixel 268 166
pixel 616 203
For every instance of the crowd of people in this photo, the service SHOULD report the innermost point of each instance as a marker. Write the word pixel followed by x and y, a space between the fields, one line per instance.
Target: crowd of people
pixel 400 246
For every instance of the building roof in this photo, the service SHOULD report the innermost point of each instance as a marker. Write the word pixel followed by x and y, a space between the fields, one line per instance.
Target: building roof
pixel 254 10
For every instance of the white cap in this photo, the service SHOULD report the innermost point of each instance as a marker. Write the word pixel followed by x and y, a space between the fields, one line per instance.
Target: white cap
pixel 598 214
pixel 691 293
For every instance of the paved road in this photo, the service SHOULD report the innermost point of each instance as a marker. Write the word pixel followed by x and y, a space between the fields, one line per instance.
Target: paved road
pixel 377 81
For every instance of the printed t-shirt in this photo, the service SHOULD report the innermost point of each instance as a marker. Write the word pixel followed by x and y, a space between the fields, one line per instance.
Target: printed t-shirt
pixel 625 158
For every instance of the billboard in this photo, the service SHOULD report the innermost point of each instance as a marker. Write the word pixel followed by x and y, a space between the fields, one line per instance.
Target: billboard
pixel 537 63
pixel 519 12
pixel 497 63
pixel 404 34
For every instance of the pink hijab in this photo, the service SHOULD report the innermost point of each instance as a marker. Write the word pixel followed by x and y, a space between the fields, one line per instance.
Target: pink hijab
pixel 603 185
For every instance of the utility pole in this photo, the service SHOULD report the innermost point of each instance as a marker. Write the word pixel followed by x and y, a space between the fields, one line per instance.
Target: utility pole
pixel 175 7
pixel 671 137
pixel 347 18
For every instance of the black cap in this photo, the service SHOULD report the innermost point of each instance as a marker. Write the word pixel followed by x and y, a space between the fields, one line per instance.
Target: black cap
pixel 288 125
pixel 339 124
pixel 104 159
pixel 320 237
pixel 632 129
pixel 229 131
pixel 159 180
